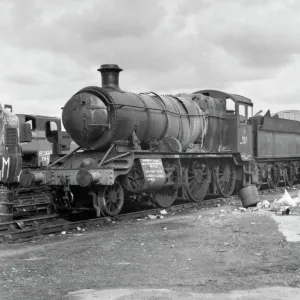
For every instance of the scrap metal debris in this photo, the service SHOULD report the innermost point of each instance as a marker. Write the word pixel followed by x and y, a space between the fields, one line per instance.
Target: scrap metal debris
pixel 283 205
pixel 263 204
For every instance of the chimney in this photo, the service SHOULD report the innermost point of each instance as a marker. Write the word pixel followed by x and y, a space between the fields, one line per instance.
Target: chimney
pixel 110 76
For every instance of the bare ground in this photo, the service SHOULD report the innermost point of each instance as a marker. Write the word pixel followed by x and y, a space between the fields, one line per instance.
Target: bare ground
pixel 213 253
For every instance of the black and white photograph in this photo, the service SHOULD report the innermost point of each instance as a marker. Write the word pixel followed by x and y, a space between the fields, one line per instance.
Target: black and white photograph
pixel 149 149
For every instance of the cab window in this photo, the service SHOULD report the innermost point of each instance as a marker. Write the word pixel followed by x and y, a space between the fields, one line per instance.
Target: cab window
pixel 242 114
pixel 230 106
pixel 51 131
pixel 31 121
pixel 250 111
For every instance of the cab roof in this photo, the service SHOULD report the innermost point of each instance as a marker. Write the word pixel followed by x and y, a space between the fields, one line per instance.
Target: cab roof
pixel 224 96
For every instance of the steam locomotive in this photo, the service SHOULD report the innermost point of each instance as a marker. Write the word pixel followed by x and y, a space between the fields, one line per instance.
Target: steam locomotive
pixel 133 147
pixel 26 142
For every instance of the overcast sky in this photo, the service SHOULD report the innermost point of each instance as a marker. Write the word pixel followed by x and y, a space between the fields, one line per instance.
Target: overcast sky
pixel 49 49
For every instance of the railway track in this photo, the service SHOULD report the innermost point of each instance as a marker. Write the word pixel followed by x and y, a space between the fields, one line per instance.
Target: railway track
pixel 28 229
pixel 30 203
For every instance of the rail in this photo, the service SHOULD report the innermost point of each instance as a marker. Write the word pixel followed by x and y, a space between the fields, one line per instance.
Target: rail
pixel 26 230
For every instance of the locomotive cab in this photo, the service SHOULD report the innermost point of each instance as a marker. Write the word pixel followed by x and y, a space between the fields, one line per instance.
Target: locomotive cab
pixel 40 139
pixel 239 130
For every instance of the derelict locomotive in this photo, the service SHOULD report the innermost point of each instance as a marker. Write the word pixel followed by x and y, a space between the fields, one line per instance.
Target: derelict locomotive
pixel 137 146
pixel 40 137
pixel 26 142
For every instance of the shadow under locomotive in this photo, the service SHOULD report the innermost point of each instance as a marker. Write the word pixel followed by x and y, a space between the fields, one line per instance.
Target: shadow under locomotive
pixel 149 148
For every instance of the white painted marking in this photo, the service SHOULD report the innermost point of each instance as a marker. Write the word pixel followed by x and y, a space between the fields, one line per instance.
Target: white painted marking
pixel 289 226
pixel 5 163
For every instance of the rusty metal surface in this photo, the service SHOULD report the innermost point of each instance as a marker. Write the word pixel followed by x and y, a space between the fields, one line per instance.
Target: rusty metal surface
pixel 95 118
pixel 245 144
pixel 272 144
pixel 110 124
pixel 275 137
pixel 43 143
pixel 6 205
pixel 238 138
pixel 223 95
pixel 216 127
pixel 38 120
pixel 10 151
pixel 280 125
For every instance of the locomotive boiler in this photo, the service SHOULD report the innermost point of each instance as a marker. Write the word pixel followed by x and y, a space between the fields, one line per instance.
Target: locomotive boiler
pixel 133 147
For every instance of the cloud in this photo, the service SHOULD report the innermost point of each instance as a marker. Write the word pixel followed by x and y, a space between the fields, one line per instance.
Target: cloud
pixel 51 49
pixel 260 34
pixel 82 28
pixel 279 92
pixel 23 79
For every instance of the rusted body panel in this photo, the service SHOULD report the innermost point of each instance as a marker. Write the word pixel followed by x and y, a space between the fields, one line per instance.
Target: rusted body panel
pixel 216 128
pixel 276 137
pixel 280 125
pixel 95 118
pixel 10 150
pixel 245 145
pixel 234 131
pixel 46 139
pixel 272 144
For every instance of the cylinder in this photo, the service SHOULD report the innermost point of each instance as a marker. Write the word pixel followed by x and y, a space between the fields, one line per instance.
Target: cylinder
pixel 249 196
pixel 27 177
pixel 6 206
pixel 86 177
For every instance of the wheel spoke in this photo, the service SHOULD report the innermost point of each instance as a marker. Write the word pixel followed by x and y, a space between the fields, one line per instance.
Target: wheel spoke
pixel 118 205
pixel 166 196
pixel 196 180
pixel 221 179
pixel 226 178
pixel 112 202
pixel 191 182
pixel 195 187
pixel 108 200
pixel 192 185
pixel 108 205
pixel 226 187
